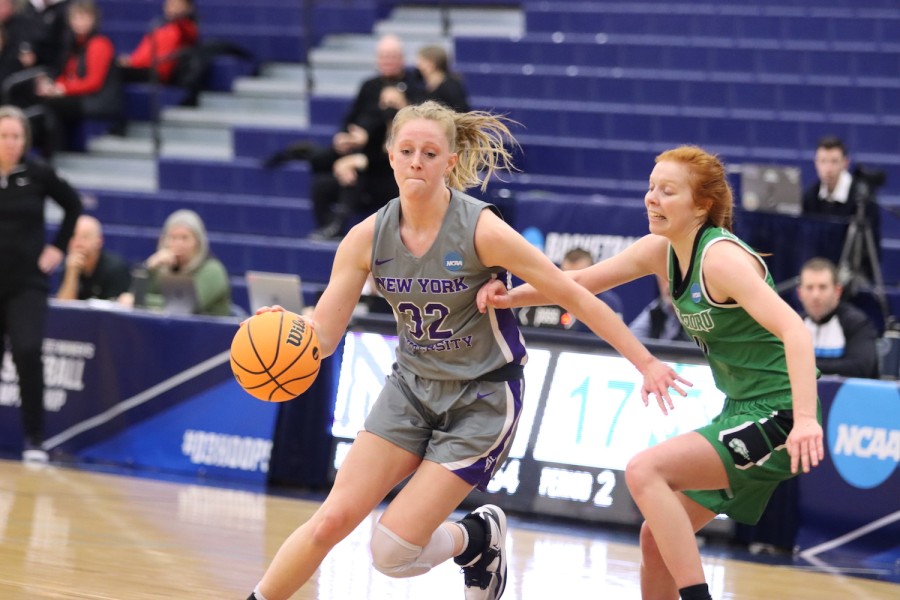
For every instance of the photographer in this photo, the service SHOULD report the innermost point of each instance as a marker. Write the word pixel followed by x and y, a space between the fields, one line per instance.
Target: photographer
pixel 839 193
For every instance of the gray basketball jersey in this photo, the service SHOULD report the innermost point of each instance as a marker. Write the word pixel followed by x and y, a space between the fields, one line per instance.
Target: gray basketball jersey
pixel 442 334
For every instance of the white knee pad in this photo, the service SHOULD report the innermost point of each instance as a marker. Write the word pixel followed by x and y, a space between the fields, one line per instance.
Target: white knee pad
pixel 395 557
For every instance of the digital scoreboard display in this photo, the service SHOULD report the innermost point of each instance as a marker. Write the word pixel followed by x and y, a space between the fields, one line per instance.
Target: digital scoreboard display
pixel 583 419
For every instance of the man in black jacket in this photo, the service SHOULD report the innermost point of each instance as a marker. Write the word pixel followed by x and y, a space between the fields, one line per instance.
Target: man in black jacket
pixel 845 339
pixel 841 193
pixel 353 174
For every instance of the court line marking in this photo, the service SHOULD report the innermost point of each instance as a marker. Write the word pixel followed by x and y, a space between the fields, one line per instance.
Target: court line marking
pixel 850 536
pixel 137 399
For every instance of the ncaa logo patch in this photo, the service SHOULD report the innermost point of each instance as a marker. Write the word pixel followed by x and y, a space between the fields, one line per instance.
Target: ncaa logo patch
pixel 863 432
pixel 696 294
pixel 453 261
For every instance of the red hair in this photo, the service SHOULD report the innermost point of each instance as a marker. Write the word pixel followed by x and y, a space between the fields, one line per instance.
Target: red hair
pixel 709 184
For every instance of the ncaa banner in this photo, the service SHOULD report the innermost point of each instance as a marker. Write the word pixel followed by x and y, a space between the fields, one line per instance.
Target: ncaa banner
pixel 144 390
pixel 851 502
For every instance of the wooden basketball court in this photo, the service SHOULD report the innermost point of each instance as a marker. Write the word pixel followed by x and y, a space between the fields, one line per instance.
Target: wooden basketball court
pixel 70 533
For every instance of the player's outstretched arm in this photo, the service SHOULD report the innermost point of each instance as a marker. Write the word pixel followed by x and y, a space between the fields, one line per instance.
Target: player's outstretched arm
pixel 499 245
pixel 645 257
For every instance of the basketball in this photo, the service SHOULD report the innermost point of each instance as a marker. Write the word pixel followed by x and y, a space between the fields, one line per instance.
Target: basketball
pixel 275 356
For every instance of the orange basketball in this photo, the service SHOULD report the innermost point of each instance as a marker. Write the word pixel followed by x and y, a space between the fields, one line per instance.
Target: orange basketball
pixel 275 356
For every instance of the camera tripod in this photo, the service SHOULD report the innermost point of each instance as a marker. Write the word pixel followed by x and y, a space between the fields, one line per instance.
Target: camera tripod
pixel 859 247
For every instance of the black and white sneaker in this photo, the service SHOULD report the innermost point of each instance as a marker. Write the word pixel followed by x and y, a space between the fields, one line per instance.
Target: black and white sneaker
pixel 485 575
pixel 34 453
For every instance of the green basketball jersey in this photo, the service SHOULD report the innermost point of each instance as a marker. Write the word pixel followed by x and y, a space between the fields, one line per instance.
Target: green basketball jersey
pixel 747 361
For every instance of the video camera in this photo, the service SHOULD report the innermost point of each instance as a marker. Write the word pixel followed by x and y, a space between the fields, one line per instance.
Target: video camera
pixel 868 180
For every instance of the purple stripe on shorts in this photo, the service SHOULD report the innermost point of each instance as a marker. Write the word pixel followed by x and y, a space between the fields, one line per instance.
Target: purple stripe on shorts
pixel 479 473
pixel 509 329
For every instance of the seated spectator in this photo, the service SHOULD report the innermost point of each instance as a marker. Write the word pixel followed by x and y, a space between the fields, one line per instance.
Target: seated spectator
pixel 9 57
pixel 184 248
pixel 353 174
pixel 52 27
pixel 556 317
pixel 90 83
pixel 156 56
pixel 844 338
pixel 440 84
pixel 91 270
pixel 18 33
pixel 658 320
pixel 579 258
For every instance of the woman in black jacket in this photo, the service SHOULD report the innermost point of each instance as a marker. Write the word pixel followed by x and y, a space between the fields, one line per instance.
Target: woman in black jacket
pixel 26 260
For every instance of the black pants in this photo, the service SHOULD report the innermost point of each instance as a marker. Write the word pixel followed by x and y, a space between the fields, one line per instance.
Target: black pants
pixel 23 317
pixel 59 114
pixel 335 202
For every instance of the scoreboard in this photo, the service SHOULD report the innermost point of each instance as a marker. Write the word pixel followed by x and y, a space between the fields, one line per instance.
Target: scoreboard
pixel 582 420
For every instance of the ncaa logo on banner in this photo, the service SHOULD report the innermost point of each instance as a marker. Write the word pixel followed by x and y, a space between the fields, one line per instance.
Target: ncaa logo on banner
pixel 864 432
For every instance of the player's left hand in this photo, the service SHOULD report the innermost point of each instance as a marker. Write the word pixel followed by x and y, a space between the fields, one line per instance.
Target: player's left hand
pixel 492 294
pixel 659 378
pixel 805 444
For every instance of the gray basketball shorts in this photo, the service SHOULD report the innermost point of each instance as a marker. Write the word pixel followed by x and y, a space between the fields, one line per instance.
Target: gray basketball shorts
pixel 465 426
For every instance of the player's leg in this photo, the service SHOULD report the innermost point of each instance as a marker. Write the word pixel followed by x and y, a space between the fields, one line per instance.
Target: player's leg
pixel 654 478
pixel 372 467
pixel 656 581
pixel 461 455
pixel 412 535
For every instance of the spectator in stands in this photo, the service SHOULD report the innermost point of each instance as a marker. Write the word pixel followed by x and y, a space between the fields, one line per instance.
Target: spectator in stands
pixel 91 270
pixel 90 84
pixel 18 31
pixel 353 175
pixel 9 59
pixel 156 56
pixel 844 338
pixel 26 260
pixel 658 320
pixel 184 248
pixel 579 258
pixel 440 84
pixel 48 45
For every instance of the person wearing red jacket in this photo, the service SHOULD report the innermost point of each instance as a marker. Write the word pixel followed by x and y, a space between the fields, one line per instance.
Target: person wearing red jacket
pixel 161 46
pixel 90 81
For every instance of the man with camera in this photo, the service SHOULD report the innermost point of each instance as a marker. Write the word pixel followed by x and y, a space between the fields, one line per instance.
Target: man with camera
pixel 837 192
pixel 846 195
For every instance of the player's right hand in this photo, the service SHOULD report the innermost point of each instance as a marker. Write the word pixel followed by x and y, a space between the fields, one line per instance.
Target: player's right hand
pixel 263 309
pixel 659 378
pixel 493 294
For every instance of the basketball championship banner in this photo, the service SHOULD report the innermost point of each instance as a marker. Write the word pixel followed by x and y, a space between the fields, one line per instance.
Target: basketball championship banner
pixel 851 502
pixel 146 391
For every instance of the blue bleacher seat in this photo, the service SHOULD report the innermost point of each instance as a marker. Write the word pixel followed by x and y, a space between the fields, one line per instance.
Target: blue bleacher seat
pixel 599 87
pixel 239 176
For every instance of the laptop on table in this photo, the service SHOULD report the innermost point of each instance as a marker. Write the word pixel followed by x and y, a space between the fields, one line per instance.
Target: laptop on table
pixel 269 289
